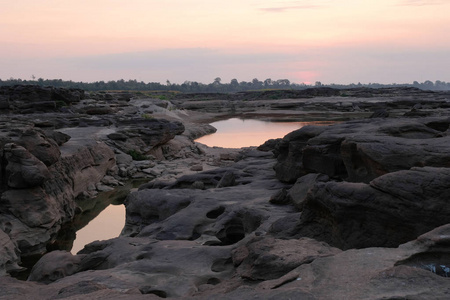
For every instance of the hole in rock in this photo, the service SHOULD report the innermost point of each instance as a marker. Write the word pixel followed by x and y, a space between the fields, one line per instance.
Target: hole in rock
pixel 221 265
pixel 439 126
pixel 196 233
pixel 232 232
pixel 215 213
pixel 213 281
pixel 149 290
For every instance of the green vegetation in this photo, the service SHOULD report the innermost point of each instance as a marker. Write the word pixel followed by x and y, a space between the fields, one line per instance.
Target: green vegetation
pixel 136 155
pixel 147 116
pixel 169 90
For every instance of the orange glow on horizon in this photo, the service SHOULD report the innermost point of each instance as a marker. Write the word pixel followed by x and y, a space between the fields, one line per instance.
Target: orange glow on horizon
pixel 317 30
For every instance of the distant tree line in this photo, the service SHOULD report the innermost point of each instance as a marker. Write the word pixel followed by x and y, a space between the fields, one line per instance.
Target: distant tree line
pixel 217 86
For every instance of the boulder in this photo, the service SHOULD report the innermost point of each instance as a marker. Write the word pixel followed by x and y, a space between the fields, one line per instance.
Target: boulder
pixel 9 255
pixel 362 150
pixel 289 153
pixel 24 170
pixel 141 134
pixel 384 213
pixel 42 147
pixel 59 137
pixel 298 192
pixel 55 265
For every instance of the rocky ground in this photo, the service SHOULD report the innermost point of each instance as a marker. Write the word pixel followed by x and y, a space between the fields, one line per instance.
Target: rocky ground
pixel 355 210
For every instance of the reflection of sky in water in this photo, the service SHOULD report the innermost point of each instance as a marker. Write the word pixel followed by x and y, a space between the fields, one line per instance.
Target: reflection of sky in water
pixel 231 133
pixel 237 133
pixel 108 224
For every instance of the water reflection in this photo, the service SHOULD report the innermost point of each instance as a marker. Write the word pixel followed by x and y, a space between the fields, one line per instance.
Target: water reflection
pixel 107 225
pixel 238 133
pixel 102 218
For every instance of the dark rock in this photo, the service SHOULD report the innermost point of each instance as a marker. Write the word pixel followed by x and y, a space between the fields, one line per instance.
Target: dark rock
pixel 118 136
pixel 268 258
pixel 104 110
pixel 38 144
pixel 280 197
pixel 382 214
pixel 381 113
pixel 228 179
pixel 59 137
pixel 196 168
pixel 55 265
pixel 269 145
pixel 144 134
pixel 24 170
pixel 290 157
pixel 4 102
pixel 9 256
pixel 298 192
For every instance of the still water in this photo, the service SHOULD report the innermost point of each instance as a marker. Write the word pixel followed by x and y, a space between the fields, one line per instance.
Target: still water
pixel 238 133
pixel 107 225
pixel 109 219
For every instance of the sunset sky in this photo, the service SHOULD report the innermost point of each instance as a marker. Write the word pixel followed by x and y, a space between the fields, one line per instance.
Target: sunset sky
pixel 340 41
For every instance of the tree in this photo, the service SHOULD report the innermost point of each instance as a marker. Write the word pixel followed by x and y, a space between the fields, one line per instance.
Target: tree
pixel 217 81
pixel 234 84
pixel 268 82
pixel 256 83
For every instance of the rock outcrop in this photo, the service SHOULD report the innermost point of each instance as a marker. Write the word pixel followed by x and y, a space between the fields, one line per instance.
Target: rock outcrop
pixel 348 211
pixel 27 99
pixel 391 210
pixel 360 151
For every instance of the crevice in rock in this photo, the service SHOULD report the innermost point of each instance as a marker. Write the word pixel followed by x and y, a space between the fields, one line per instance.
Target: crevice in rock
pixel 213 281
pixel 215 213
pixel 441 126
pixel 149 290
pixel 435 262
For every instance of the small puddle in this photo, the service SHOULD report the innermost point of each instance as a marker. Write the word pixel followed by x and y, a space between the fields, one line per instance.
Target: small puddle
pixel 102 218
pixel 238 133
pixel 107 225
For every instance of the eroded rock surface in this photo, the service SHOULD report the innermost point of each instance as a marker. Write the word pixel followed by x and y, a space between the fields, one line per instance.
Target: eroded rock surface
pixel 216 223
pixel 362 150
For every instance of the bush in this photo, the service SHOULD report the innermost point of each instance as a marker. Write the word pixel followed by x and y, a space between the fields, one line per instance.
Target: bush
pixel 136 155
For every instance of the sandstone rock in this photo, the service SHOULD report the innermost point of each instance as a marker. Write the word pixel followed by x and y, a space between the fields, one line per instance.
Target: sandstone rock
pixel 384 213
pixel 32 206
pixel 267 258
pixel 269 145
pixel 38 144
pixel 280 197
pixel 228 179
pixel 298 192
pixel 59 137
pixel 196 168
pixel 289 153
pixel 144 134
pixel 55 265
pixel 9 256
pixel 362 150
pixel 24 169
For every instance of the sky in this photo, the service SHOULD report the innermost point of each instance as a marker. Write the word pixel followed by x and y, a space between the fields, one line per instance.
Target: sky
pixel 339 41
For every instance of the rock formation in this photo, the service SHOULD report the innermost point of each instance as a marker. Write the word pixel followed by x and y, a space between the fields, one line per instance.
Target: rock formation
pixel 355 210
